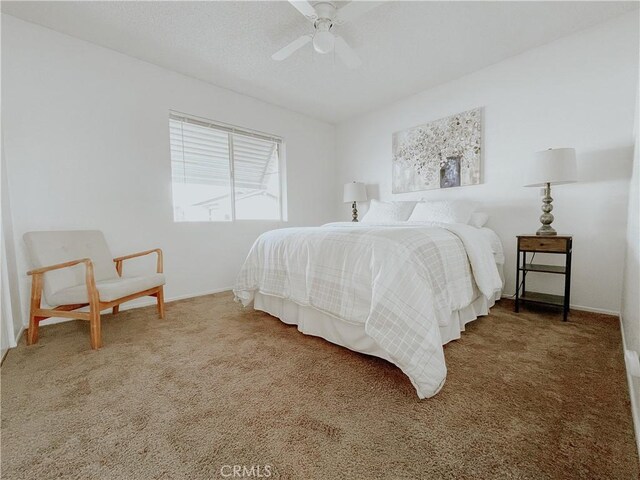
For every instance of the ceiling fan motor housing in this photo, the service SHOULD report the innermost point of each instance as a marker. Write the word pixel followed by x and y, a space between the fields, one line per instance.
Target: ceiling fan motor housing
pixel 325 10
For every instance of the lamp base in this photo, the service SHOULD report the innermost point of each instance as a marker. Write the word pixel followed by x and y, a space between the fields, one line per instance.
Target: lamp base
pixel 547 217
pixel 354 212
pixel 546 230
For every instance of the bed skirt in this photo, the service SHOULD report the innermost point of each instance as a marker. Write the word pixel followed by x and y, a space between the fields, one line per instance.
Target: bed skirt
pixel 311 321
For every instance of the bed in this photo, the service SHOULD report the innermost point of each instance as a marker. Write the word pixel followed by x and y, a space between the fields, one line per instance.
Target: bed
pixel 396 290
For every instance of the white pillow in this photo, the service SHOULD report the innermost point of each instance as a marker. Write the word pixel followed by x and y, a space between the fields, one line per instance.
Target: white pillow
pixel 445 211
pixel 383 212
pixel 478 219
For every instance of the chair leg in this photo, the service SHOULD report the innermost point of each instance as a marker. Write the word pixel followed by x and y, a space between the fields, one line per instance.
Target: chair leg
pixel 32 333
pixel 160 298
pixel 36 295
pixel 95 329
pixel 116 309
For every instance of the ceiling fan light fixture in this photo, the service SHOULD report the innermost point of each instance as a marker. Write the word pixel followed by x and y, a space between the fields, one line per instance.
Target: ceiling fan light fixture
pixel 324 15
pixel 323 42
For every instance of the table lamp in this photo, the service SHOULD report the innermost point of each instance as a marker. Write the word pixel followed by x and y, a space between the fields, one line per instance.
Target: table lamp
pixel 554 166
pixel 355 192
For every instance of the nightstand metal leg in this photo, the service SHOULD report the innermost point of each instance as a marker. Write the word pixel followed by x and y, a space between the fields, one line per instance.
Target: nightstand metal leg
pixel 518 282
pixel 524 272
pixel 567 287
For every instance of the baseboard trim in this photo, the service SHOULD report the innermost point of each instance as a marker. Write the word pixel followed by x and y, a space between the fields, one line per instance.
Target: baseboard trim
pixel 635 402
pixel 581 308
pixel 146 302
pixel 23 329
pixel 194 295
pixel 18 339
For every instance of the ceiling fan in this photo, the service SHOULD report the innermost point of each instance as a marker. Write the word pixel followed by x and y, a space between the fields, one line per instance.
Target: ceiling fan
pixel 325 16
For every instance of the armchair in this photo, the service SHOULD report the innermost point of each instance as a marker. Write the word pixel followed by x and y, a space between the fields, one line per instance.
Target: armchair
pixel 74 269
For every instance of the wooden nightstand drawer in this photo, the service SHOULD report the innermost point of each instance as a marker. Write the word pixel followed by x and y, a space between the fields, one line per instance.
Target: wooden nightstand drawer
pixel 544 244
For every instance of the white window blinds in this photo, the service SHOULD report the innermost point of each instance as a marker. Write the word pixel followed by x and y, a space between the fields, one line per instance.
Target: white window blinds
pixel 223 173
pixel 199 154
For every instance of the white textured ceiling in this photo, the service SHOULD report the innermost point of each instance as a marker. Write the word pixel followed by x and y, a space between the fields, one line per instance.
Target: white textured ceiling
pixel 406 47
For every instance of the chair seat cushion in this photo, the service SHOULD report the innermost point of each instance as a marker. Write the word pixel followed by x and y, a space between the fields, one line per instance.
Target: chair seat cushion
pixel 108 290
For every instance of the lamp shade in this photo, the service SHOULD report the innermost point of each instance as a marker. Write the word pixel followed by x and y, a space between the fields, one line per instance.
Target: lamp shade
pixel 355 192
pixel 555 166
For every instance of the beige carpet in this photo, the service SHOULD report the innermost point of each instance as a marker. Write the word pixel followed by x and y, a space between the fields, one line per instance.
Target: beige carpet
pixel 527 397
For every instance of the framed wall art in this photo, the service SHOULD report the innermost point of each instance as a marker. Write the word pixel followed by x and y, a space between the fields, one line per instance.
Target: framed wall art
pixel 441 154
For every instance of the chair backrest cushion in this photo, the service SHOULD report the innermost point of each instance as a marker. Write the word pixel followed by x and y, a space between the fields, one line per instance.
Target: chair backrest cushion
pixel 50 248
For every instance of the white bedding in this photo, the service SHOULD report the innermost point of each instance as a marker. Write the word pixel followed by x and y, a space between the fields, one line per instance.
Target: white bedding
pixel 402 281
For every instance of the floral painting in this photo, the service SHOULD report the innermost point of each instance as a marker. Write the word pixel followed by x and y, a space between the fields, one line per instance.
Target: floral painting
pixel 441 154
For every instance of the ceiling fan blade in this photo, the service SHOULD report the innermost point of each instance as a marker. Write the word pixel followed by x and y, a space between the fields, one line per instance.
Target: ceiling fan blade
pixel 305 8
pixel 292 47
pixel 355 9
pixel 347 54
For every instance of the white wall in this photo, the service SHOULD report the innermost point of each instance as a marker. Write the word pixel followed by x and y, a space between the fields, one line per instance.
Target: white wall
pixel 12 319
pixel 87 146
pixel 576 92
pixel 7 333
pixel 631 286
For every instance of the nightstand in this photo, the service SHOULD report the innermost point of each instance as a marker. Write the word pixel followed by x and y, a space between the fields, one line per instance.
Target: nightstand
pixel 557 244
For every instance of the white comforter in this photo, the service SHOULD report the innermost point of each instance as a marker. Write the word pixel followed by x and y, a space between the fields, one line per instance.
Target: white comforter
pixel 402 281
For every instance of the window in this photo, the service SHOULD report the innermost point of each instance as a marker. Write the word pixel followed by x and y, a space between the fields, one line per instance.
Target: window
pixel 221 173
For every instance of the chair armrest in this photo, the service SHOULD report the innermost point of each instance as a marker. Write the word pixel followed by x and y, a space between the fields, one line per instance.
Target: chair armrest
pixel 158 251
pixel 90 281
pixel 58 266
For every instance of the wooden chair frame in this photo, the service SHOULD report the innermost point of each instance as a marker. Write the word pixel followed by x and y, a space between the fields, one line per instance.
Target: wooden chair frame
pixel 37 314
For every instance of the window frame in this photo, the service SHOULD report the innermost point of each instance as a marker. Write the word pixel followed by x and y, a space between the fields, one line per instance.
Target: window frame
pixel 231 131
